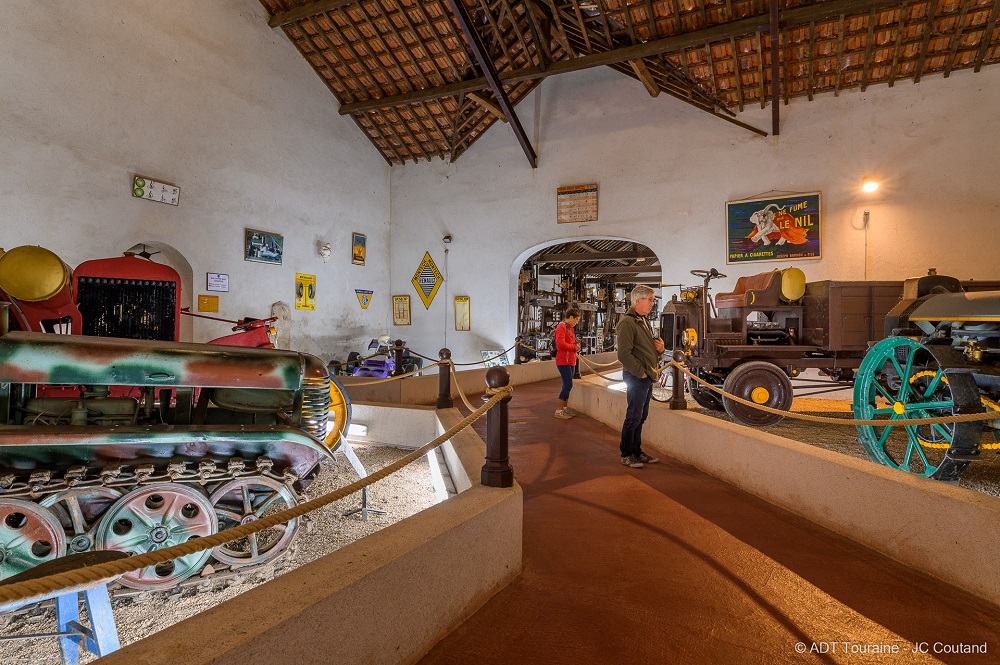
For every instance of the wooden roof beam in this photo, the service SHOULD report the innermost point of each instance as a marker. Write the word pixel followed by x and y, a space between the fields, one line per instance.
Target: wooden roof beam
pixel 696 38
pixel 307 11
pixel 479 51
pixel 635 271
pixel 642 73
pixel 594 256
pixel 495 110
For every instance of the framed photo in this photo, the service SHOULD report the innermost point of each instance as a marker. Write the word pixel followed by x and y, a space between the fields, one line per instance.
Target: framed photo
pixel 779 228
pixel 463 320
pixel 358 242
pixel 401 310
pixel 262 247
pixel 494 358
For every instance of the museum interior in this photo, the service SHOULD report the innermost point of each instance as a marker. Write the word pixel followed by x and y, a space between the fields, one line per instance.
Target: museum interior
pixel 281 293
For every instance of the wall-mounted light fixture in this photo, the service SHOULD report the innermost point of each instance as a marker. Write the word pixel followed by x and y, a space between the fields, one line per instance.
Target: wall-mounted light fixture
pixel 446 239
pixel 869 185
pixel 325 251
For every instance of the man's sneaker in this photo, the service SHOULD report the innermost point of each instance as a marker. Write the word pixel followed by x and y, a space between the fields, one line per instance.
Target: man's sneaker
pixel 646 459
pixel 571 412
pixel 632 461
pixel 562 415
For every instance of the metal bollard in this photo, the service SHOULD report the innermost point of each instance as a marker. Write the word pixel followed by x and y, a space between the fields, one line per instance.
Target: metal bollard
pixel 517 350
pixel 677 401
pixel 398 358
pixel 444 381
pixel 497 471
pixel 576 371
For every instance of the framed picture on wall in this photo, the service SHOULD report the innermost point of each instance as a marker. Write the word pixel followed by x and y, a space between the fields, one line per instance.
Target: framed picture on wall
pixel 776 228
pixel 463 317
pixel 401 310
pixel 358 248
pixel 262 247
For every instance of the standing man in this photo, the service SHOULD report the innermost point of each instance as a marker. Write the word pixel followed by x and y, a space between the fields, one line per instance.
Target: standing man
pixel 639 352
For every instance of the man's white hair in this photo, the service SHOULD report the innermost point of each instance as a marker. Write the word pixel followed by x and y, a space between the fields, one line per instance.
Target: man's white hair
pixel 640 292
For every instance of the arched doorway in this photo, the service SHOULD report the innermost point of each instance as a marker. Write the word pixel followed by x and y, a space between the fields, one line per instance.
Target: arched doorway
pixel 594 275
pixel 170 256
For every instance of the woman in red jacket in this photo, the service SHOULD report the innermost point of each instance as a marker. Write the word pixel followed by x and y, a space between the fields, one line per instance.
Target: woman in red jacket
pixel 566 348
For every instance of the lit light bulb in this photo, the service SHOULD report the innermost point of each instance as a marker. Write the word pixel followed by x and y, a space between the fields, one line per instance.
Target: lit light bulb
pixel 868 185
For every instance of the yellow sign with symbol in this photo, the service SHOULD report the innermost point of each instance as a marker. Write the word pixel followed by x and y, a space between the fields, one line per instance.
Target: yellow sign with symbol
pixel 305 291
pixel 427 280
pixel 364 297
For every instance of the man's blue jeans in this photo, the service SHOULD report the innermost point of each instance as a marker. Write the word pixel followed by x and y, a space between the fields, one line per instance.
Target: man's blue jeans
pixel 638 393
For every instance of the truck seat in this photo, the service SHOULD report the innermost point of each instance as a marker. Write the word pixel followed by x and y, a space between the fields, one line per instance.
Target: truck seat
pixel 761 289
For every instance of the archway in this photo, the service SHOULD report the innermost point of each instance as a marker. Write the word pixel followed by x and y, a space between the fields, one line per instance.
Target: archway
pixel 172 257
pixel 594 275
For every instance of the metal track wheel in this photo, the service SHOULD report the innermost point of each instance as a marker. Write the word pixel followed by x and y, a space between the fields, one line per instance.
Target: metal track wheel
pixel 154 517
pixel 78 509
pixel 761 383
pixel 29 535
pixel 246 500
pixel 900 378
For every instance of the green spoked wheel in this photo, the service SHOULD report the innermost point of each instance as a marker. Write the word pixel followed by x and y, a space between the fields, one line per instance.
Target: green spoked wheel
pixel 899 379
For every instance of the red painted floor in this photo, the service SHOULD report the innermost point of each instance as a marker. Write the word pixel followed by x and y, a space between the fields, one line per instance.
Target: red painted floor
pixel 668 565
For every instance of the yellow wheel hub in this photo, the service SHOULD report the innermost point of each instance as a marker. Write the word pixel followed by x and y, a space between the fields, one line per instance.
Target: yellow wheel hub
pixel 760 395
pixel 899 408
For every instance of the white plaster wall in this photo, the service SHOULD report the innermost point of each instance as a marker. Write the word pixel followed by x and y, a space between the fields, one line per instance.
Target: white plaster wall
pixel 206 96
pixel 665 171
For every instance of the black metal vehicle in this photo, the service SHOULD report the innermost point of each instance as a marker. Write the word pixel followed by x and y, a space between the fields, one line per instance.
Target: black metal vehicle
pixel 751 341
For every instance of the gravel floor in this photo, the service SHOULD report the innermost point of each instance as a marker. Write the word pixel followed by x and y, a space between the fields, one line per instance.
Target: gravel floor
pixel 402 494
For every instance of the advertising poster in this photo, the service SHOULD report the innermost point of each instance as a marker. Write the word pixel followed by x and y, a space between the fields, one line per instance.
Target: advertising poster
pixel 305 291
pixel 779 228
pixel 401 310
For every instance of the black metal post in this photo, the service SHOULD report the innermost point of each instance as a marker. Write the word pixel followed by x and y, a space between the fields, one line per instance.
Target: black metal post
pixel 677 401
pixel 576 372
pixel 444 380
pixel 397 355
pixel 497 471
pixel 517 350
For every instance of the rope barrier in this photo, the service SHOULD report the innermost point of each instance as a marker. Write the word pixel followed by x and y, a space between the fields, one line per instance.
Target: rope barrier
pixel 357 360
pixel 486 360
pixel 43 587
pixel 960 418
pixel 461 393
pixel 394 378
pixel 591 367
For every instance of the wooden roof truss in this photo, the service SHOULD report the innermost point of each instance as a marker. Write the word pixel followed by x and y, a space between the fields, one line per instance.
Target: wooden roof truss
pixel 406 73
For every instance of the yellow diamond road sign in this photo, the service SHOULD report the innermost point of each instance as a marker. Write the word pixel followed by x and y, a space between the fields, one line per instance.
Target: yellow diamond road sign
pixel 427 280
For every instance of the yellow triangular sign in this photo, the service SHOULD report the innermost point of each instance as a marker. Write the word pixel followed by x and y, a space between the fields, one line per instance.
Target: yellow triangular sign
pixel 364 297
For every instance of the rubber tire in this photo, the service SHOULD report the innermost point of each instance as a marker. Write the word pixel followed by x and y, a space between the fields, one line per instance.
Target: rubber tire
pixel 751 375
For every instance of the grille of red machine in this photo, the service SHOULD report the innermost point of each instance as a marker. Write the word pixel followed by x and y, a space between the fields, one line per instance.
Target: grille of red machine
pixel 132 308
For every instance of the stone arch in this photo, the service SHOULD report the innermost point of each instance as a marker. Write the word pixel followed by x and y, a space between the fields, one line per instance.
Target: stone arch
pixel 172 257
pixel 515 268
